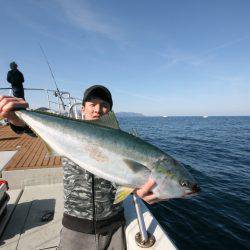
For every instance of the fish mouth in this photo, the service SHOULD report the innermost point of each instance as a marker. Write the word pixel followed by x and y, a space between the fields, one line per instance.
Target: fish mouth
pixel 195 189
pixel 190 193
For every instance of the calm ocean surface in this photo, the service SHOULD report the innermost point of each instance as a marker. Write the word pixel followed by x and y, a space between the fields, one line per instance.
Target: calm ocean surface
pixel 216 150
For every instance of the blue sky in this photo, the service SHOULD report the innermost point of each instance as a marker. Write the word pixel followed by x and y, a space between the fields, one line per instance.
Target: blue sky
pixel 156 57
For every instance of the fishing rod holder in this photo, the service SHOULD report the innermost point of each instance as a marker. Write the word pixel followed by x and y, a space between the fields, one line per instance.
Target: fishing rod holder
pixel 144 244
pixel 143 238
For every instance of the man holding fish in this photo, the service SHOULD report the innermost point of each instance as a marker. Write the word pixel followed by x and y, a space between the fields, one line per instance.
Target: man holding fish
pixel 90 219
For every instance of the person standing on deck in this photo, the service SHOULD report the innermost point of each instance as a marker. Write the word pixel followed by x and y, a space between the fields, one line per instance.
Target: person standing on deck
pixel 16 79
pixel 90 219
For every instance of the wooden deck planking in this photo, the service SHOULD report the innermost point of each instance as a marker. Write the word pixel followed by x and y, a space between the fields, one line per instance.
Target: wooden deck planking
pixel 51 161
pixel 38 154
pixel 24 156
pixel 31 151
pixel 43 154
pixel 6 132
pixel 14 140
pixel 45 160
pixel 34 148
pixel 21 157
pixel 12 164
pixel 57 160
pixel 8 143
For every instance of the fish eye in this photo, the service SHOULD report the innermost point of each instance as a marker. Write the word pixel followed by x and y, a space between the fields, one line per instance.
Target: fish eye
pixel 184 183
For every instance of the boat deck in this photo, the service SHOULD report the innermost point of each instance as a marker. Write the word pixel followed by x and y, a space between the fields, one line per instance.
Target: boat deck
pixel 26 230
pixel 31 151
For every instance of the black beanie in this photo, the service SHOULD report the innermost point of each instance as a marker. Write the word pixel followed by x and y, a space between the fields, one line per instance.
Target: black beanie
pixel 98 91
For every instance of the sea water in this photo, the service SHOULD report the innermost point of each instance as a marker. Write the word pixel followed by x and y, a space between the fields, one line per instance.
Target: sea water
pixel 216 150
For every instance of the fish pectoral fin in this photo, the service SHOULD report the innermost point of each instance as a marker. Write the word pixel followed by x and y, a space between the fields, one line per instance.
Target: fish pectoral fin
pixel 122 193
pixel 108 120
pixel 135 166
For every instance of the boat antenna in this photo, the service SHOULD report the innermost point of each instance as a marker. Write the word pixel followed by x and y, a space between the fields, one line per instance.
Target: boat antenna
pixel 51 72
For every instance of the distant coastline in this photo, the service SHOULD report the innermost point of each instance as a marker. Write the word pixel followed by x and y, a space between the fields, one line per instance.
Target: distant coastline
pixel 128 114
pixel 133 114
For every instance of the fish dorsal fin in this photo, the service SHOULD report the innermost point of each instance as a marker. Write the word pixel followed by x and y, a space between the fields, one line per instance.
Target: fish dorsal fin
pixel 122 193
pixel 135 166
pixel 108 120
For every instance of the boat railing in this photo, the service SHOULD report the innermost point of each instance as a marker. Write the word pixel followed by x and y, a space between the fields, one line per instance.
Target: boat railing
pixel 60 102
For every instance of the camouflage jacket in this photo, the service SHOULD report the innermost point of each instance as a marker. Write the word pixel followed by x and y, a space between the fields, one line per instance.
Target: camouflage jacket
pixel 86 196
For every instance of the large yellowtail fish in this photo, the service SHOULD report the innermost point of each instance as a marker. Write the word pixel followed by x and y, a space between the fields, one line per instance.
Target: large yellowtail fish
pixel 103 149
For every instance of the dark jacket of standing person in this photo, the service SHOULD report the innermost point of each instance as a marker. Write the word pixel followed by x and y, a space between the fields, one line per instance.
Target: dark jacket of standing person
pixel 16 79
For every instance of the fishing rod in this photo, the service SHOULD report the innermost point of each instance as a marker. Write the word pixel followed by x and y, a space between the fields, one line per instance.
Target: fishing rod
pixel 51 72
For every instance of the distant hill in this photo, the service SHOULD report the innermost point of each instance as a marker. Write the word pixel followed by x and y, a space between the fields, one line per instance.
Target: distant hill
pixel 128 114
